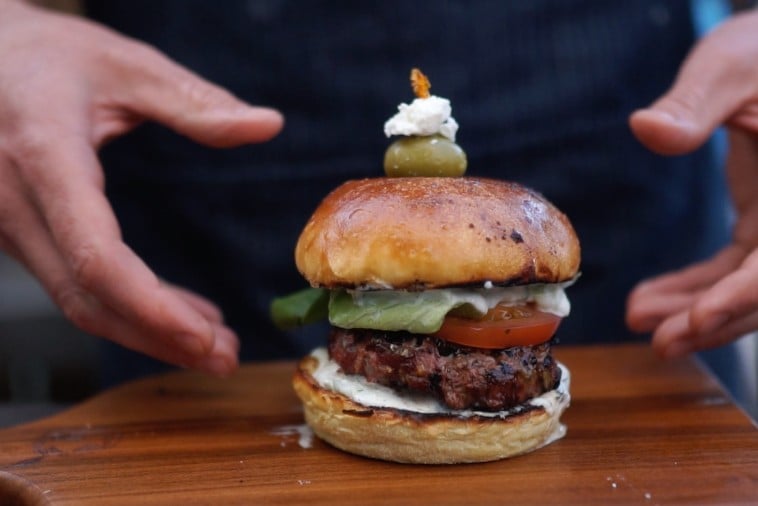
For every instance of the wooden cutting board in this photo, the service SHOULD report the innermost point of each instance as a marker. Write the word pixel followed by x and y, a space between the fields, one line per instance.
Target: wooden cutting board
pixel 640 431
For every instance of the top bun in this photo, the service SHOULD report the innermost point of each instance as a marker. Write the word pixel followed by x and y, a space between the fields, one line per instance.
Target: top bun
pixel 431 232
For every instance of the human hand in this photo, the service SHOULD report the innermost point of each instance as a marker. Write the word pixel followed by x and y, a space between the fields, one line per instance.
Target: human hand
pixel 66 87
pixel 715 301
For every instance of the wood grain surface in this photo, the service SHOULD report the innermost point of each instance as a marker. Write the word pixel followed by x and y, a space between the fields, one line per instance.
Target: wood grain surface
pixel 640 431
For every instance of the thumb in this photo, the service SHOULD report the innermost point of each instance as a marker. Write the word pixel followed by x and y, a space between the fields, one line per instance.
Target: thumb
pixel 161 90
pixel 717 78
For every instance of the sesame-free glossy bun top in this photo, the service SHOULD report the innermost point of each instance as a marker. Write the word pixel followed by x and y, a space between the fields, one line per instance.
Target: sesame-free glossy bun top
pixel 430 232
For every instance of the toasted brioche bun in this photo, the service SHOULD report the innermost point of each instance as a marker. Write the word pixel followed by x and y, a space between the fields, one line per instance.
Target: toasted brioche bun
pixel 420 438
pixel 416 233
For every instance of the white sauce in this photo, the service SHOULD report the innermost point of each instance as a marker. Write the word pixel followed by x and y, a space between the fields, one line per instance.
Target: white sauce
pixel 549 298
pixel 356 388
pixel 303 431
pixel 423 116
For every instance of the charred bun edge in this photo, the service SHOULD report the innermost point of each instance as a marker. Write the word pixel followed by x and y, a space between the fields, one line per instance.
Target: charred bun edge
pixel 406 437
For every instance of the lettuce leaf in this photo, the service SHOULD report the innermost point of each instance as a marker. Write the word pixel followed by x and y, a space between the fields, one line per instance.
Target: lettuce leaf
pixel 300 308
pixel 417 312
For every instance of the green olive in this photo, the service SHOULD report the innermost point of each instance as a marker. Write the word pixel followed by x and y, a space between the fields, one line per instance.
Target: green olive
pixel 432 155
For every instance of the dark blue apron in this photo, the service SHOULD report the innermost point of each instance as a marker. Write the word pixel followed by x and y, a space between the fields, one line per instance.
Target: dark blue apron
pixel 542 90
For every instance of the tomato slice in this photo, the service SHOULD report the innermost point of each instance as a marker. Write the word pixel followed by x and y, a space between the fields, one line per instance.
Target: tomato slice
pixel 502 327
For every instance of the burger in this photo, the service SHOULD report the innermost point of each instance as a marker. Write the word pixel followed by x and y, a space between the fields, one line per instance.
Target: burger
pixel 444 295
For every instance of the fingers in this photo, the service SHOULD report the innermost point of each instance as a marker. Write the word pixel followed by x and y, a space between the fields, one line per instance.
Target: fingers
pixel 204 306
pixel 676 337
pixel 742 176
pixel 220 360
pixel 33 246
pixel 654 300
pixel 645 314
pixel 697 276
pixel 690 316
pixel 73 245
pixel 87 235
pixel 717 79
pixel 731 299
pixel 161 90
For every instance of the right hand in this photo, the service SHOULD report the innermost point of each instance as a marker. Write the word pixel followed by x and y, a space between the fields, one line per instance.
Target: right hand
pixel 714 301
pixel 67 86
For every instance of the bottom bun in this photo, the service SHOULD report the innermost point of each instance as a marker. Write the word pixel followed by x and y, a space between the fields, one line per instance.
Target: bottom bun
pixel 340 409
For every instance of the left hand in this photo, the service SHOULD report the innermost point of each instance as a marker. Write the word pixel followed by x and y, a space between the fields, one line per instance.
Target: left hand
pixel 713 302
pixel 67 86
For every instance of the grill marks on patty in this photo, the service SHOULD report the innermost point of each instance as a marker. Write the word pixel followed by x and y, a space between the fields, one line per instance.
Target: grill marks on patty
pixel 459 376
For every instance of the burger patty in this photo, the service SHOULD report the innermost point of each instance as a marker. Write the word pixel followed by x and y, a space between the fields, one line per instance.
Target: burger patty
pixel 460 377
